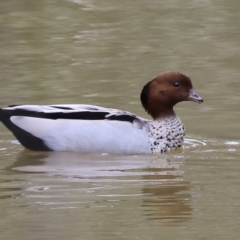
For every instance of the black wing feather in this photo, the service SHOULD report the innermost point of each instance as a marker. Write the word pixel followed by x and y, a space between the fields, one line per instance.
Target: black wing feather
pixel 83 115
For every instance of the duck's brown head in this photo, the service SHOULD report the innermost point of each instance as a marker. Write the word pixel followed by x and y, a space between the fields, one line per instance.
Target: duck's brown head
pixel 169 88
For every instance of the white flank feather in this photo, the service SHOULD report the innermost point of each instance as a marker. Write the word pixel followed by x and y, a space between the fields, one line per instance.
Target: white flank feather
pixel 87 136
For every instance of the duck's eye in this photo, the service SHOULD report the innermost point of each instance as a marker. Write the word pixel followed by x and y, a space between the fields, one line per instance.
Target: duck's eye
pixel 176 84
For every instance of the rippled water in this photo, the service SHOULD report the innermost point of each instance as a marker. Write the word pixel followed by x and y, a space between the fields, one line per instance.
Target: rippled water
pixel 102 53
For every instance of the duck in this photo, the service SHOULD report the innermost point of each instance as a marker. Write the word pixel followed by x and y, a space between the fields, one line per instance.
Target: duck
pixel 89 128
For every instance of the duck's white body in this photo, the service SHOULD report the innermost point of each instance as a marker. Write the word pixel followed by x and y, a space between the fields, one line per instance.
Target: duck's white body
pixel 88 128
pixel 89 136
pixel 117 132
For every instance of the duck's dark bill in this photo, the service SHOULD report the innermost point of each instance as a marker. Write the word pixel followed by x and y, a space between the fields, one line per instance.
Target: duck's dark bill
pixel 193 96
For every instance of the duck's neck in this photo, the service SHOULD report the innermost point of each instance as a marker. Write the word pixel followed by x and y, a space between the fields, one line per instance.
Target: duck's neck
pixel 160 114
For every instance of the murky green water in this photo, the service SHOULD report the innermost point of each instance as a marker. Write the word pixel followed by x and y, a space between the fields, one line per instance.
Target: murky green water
pixel 103 52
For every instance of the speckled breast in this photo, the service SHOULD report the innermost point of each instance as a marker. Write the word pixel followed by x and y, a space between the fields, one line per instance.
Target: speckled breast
pixel 166 134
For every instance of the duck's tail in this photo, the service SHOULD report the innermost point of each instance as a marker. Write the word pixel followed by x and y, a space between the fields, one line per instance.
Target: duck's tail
pixel 28 140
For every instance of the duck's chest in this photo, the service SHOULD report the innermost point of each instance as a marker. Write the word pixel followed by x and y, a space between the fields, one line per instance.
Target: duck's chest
pixel 165 134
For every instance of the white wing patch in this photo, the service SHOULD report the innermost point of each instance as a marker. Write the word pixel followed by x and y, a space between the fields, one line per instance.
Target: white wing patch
pixel 35 126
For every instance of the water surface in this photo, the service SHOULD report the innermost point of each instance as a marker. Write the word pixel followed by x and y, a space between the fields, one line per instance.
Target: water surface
pixel 102 53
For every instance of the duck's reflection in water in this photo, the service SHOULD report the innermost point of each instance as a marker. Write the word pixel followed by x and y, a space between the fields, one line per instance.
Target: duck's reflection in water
pixel 167 194
pixel 157 179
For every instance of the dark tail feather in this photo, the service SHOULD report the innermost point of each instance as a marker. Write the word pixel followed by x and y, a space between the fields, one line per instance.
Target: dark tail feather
pixel 25 138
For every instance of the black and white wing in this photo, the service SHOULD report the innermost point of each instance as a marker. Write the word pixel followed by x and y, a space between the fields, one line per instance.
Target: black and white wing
pixel 71 111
